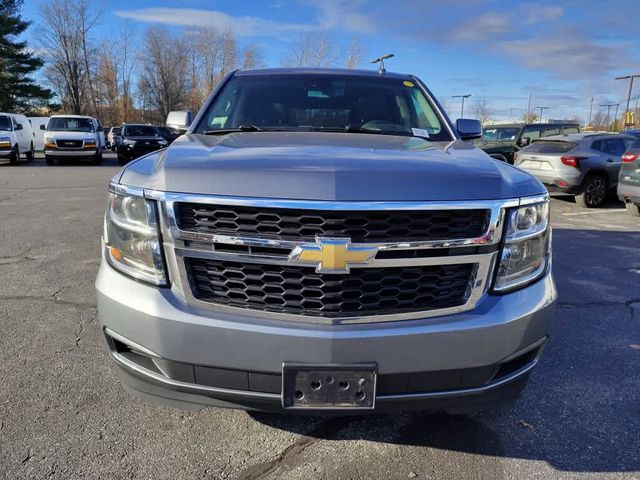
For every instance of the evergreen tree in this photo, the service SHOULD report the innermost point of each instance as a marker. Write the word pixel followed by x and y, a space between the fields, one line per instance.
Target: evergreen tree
pixel 18 91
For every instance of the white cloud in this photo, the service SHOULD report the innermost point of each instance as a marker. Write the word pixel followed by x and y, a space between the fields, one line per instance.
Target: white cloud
pixel 246 26
pixel 482 27
pixel 331 15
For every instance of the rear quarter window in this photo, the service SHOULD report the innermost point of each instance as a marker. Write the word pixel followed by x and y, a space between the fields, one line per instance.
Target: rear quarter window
pixel 551 147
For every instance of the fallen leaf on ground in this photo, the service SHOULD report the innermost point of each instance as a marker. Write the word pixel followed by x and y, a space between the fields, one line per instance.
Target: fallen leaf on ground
pixel 525 424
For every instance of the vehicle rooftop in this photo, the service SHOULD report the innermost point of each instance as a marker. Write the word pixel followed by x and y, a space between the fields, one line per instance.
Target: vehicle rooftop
pixel 518 125
pixel 71 116
pixel 579 136
pixel 321 71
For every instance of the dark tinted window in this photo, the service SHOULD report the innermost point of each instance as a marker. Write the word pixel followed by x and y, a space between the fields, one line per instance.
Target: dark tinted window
pixel 548 131
pixel 615 146
pixel 572 129
pixel 5 124
pixel 532 132
pixel 548 146
pixel 70 124
pixel 321 102
pixel 500 133
pixel 140 131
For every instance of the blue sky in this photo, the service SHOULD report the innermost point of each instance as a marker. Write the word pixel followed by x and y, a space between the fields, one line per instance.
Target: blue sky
pixel 501 51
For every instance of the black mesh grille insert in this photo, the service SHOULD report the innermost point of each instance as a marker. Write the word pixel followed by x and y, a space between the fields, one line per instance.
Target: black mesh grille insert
pixel 360 226
pixel 302 291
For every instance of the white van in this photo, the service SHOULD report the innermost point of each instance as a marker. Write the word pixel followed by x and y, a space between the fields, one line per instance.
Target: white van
pixel 39 125
pixel 73 137
pixel 16 137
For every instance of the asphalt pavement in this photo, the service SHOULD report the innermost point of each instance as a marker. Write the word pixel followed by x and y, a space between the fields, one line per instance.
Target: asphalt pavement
pixel 64 413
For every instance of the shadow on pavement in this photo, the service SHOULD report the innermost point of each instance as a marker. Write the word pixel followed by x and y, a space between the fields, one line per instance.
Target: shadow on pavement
pixel 581 409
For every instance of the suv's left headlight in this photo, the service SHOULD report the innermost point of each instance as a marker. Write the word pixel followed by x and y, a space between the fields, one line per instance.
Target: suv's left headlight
pixel 132 240
pixel 526 253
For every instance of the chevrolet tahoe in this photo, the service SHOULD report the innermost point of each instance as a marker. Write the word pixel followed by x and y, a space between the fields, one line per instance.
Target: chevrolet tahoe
pixel 325 241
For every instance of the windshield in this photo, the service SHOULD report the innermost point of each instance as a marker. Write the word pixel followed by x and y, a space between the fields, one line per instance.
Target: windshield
pixel 325 103
pixel 140 131
pixel 70 124
pixel 501 133
pixel 115 130
pixel 5 124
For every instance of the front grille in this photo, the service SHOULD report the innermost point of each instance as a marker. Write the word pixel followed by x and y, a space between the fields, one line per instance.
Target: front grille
pixel 69 143
pixel 302 291
pixel 360 226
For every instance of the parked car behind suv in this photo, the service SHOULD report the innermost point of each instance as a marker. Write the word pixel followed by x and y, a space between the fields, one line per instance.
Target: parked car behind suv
pixel 629 179
pixel 327 241
pixel 585 165
pixel 137 140
pixel 16 137
pixel 111 137
pixel 73 137
pixel 502 141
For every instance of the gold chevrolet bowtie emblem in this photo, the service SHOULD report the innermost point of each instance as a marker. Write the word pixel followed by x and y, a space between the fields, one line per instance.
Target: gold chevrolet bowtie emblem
pixel 332 255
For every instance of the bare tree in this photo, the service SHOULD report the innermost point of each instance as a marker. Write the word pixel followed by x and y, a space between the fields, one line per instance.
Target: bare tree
pixel 354 54
pixel 312 50
pixel 62 37
pixel 529 117
pixel 252 57
pixel 482 111
pixel 165 71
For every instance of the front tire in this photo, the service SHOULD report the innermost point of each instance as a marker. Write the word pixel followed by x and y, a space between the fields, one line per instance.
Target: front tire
pixel 633 209
pixel 594 191
pixel 122 160
pixel 31 154
pixel 97 158
pixel 50 160
pixel 15 158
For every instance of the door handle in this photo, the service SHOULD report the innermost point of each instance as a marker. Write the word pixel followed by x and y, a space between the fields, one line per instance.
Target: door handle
pixel 610 160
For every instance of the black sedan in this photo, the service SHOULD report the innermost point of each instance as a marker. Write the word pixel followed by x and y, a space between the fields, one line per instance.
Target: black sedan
pixel 138 140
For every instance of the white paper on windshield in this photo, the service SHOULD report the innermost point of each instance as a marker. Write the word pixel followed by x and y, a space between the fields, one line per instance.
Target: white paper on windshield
pixel 419 132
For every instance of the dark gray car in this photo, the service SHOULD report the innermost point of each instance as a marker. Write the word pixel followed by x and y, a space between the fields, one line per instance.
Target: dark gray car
pixel 583 164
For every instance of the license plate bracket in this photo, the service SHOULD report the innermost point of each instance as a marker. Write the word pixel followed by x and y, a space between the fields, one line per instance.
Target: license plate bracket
pixel 329 387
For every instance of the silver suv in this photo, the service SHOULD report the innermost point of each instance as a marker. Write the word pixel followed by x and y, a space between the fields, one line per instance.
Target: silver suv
pixel 326 241
pixel 582 164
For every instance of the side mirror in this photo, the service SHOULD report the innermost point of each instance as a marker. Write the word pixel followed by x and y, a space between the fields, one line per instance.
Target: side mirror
pixel 179 120
pixel 42 127
pixel 468 129
pixel 524 141
pixel 18 126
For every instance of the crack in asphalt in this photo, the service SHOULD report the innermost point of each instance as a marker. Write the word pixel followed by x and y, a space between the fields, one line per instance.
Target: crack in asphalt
pixel 629 304
pixel 80 331
pixel 50 299
pixel 325 429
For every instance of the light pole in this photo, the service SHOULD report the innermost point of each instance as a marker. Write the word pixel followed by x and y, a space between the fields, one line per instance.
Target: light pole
pixel 608 105
pixel 615 117
pixel 466 95
pixel 630 77
pixel 541 110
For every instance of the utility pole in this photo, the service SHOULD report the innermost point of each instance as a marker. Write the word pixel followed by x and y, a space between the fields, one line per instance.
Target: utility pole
pixel 529 107
pixel 466 95
pixel 630 77
pixel 590 112
pixel 615 117
pixel 541 110
pixel 608 105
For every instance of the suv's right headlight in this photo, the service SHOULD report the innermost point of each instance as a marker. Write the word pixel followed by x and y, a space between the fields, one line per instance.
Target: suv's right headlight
pixel 527 247
pixel 131 237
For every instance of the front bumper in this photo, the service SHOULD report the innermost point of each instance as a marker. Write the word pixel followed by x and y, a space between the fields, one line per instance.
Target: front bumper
pixel 132 152
pixel 182 356
pixel 628 192
pixel 70 153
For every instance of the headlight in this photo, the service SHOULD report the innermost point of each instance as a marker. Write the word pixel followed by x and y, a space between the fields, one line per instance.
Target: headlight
pixel 527 248
pixel 49 142
pixel 5 142
pixel 129 142
pixel 131 237
pixel 162 143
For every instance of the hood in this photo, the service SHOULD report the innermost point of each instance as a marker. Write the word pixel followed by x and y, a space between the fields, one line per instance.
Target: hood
pixel 145 139
pixel 328 166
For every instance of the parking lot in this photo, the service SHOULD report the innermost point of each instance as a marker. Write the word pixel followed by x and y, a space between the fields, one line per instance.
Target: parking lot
pixel 64 413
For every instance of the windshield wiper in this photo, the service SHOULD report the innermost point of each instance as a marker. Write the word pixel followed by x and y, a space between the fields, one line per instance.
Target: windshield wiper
pixel 370 131
pixel 239 128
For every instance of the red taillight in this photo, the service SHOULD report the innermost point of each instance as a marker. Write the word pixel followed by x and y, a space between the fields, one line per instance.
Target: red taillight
pixel 572 161
pixel 629 157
